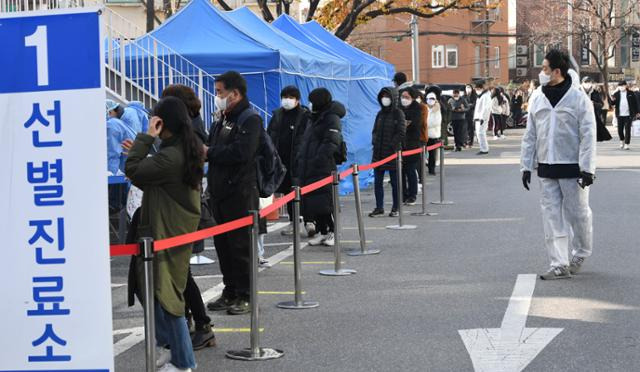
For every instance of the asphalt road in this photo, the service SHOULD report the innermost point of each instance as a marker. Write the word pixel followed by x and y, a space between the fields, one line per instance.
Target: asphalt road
pixel 403 309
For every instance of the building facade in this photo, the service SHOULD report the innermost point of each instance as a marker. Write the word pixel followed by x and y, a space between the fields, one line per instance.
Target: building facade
pixel 458 47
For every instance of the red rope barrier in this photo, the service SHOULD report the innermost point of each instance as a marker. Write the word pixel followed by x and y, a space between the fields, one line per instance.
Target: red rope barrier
pixel 176 241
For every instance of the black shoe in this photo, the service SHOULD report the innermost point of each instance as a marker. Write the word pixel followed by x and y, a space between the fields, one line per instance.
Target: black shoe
pixel 482 153
pixel 432 172
pixel 203 337
pixel 458 149
pixel 240 307
pixel 394 213
pixel 411 201
pixel 378 212
pixel 223 303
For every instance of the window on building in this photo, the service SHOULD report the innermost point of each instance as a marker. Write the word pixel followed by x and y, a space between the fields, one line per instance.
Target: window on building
pixel 477 61
pixel 625 48
pixel 437 56
pixel 452 56
pixel 538 54
pixel 612 52
pixel 496 57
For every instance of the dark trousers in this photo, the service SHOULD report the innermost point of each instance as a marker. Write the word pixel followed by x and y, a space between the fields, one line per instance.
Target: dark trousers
pixel 410 176
pixel 378 176
pixel 233 248
pixel 471 130
pixel 460 132
pixel 624 129
pixel 498 124
pixel 431 163
pixel 194 303
pixel 324 223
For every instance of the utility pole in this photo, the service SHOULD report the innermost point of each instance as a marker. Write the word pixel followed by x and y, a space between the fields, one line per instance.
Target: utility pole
pixel 150 15
pixel 415 49
pixel 487 51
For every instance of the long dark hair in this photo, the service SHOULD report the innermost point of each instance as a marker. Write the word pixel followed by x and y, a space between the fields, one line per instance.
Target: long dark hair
pixel 497 93
pixel 175 116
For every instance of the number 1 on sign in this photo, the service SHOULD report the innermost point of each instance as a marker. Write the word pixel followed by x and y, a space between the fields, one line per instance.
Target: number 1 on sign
pixel 38 39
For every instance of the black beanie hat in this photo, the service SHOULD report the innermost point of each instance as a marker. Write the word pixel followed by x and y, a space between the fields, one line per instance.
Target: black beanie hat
pixel 320 98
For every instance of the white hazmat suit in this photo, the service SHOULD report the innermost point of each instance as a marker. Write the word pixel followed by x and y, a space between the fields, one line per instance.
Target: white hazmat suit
pixel 481 116
pixel 564 134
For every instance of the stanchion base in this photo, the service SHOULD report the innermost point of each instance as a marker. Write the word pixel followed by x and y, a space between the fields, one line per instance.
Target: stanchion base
pixel 424 214
pixel 292 305
pixel 402 227
pixel 341 272
pixel 368 252
pixel 200 260
pixel 444 202
pixel 246 354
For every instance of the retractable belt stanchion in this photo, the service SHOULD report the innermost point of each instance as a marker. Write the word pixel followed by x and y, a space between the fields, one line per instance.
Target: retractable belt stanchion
pixel 400 225
pixel 363 242
pixel 255 352
pixel 442 200
pixel 298 303
pixel 148 294
pixel 338 270
pixel 423 176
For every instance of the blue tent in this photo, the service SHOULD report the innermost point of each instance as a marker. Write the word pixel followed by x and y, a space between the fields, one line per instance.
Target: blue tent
pixel 368 76
pixel 204 36
pixel 300 65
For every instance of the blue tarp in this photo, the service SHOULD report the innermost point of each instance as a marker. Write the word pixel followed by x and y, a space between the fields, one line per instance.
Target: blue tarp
pixel 368 75
pixel 203 35
pixel 301 66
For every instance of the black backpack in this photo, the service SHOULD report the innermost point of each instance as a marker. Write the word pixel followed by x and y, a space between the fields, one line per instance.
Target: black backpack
pixel 270 171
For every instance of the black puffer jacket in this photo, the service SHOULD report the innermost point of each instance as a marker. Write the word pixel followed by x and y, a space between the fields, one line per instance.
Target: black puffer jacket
pixel 389 129
pixel 316 158
pixel 413 113
pixel 286 129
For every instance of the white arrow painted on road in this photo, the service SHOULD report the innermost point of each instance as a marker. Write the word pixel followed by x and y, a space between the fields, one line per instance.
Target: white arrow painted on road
pixel 511 347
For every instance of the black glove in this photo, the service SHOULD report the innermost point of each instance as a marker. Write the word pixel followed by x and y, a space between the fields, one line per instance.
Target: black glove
pixel 526 179
pixel 586 179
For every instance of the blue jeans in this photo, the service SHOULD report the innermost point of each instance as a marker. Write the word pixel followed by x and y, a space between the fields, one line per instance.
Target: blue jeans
pixel 378 176
pixel 172 331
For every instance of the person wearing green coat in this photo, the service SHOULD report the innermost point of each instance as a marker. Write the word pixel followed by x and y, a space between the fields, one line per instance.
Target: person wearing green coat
pixel 170 180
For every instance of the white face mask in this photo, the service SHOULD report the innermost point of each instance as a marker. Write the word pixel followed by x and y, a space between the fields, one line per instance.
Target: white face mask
pixel 587 86
pixel 478 91
pixel 469 90
pixel 431 101
pixel 288 103
pixel 386 101
pixel 623 89
pixel 456 97
pixel 406 102
pixel 221 103
pixel 543 78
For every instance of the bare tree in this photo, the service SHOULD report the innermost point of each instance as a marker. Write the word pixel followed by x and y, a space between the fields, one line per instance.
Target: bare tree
pixel 604 23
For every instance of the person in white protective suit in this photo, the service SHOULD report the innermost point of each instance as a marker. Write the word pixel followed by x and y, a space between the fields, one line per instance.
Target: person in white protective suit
pixel 481 116
pixel 560 141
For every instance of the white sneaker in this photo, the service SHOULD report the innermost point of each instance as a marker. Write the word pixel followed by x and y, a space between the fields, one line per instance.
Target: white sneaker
pixel 317 240
pixel 171 368
pixel 163 356
pixel 495 138
pixel 626 147
pixel 263 262
pixel 503 137
pixel 287 231
pixel 621 144
pixel 330 240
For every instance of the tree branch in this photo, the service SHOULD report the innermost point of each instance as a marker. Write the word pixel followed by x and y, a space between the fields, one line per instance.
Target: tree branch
pixel 266 12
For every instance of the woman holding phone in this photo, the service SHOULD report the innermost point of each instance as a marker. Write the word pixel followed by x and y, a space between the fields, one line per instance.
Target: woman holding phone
pixel 171 180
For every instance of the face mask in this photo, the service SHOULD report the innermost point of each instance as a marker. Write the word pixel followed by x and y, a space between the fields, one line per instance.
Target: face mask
pixel 419 100
pixel 386 101
pixel 431 101
pixel 288 103
pixel 406 102
pixel 586 86
pixel 469 90
pixel 543 78
pixel 456 97
pixel 478 91
pixel 623 89
pixel 221 103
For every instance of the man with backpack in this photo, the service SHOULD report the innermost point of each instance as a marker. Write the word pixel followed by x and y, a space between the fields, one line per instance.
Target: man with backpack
pixel 234 144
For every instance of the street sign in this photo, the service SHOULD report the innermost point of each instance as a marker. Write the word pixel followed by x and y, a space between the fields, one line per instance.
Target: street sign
pixel 56 296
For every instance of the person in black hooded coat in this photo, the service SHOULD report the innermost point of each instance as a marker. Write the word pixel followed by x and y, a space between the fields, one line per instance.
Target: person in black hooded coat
pixel 387 138
pixel 414 121
pixel 316 160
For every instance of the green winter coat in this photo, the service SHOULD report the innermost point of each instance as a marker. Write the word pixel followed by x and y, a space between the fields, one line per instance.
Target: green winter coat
pixel 169 208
